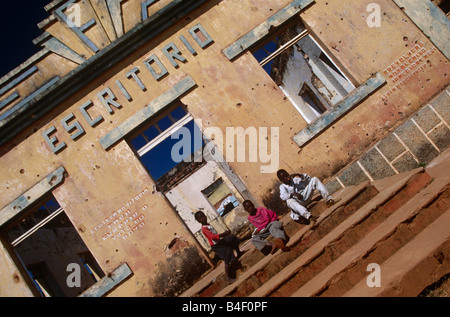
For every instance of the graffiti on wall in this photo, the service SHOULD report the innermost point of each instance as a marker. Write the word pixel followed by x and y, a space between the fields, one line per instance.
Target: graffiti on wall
pixel 125 221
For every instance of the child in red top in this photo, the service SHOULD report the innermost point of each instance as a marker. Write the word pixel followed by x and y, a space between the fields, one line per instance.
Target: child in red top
pixel 266 223
pixel 222 244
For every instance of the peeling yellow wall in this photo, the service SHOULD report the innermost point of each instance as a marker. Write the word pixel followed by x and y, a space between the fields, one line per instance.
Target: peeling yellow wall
pixel 342 29
pixel 228 94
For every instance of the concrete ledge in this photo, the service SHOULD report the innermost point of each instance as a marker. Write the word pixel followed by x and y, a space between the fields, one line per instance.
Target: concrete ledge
pixel 147 112
pixel 423 246
pixel 108 282
pixel 347 196
pixel 32 195
pixel 246 41
pixel 337 111
pixel 315 250
pixel 26 104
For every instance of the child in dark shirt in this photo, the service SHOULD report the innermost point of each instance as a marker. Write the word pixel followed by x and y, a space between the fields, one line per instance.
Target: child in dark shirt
pixel 222 244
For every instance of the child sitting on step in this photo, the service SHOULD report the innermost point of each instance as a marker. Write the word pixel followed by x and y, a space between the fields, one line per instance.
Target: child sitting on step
pixel 267 223
pixel 222 244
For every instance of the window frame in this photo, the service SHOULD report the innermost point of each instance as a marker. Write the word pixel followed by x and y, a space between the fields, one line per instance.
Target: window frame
pixel 323 105
pixel 254 37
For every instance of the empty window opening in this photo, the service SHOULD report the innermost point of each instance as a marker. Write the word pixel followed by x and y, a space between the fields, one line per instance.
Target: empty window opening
pixel 221 197
pixel 444 5
pixel 91 266
pixel 44 242
pixel 310 98
pixel 303 71
pixel 156 145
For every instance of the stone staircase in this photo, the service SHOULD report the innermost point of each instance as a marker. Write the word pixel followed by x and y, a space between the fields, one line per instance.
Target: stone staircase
pixel 400 223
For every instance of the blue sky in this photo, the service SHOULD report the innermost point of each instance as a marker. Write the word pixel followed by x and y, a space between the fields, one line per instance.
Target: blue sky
pixel 18 29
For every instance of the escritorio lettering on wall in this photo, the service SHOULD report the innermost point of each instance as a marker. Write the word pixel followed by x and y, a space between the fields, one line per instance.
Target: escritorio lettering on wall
pixel 108 95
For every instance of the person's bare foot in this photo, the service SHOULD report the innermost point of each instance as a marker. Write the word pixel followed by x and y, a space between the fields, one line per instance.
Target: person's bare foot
pixel 279 243
pixel 313 220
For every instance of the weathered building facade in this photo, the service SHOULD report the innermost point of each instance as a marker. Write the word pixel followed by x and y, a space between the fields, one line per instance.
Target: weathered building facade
pixel 93 126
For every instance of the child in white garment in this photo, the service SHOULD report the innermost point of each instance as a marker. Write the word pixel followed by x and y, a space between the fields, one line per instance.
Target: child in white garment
pixel 297 190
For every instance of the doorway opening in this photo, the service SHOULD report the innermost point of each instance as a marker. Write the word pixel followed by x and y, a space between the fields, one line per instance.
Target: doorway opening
pixel 188 180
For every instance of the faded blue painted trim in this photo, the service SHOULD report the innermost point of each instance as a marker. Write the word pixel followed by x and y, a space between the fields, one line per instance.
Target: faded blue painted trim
pixel 24 66
pixel 32 195
pixel 208 39
pixel 108 282
pixel 59 48
pixel 155 59
pixel 188 45
pixel 108 99
pixel 147 112
pixel 115 10
pixel 263 29
pixel 431 20
pixel 23 105
pixel 8 100
pixel 330 116
pixel 51 141
pixel 172 53
pixel 144 6
pixel 79 31
pixel 75 125
pixel 132 74
pixel 123 90
pixel 83 110
pixel 19 79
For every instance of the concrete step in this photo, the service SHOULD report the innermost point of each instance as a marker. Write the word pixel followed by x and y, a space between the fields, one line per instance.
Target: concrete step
pixel 425 259
pixel 390 221
pixel 260 274
pixel 380 244
pixel 421 262
pixel 351 199
pixel 321 255
pixel 411 225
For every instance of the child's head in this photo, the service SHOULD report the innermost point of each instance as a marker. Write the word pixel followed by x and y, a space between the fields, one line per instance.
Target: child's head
pixel 249 207
pixel 283 176
pixel 201 217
